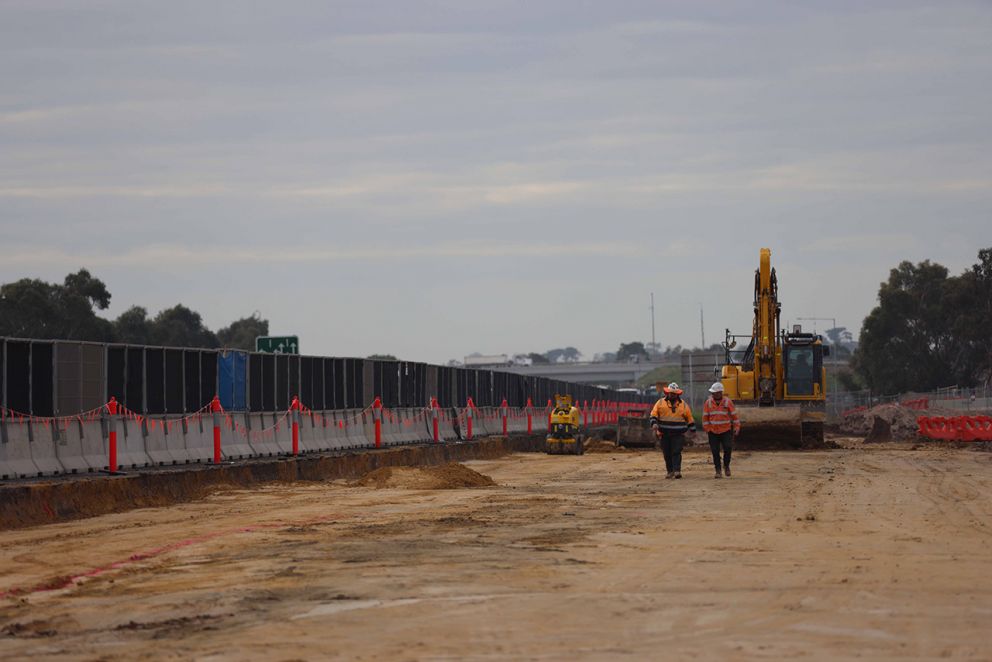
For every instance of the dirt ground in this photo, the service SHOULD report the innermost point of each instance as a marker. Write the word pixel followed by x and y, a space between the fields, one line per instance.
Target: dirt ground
pixel 875 552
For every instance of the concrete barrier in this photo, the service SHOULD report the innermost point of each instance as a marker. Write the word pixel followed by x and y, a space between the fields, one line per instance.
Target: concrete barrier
pixel 157 443
pixel 131 452
pixel 234 444
pixel 42 446
pixel 93 444
pixel 263 443
pixel 69 447
pixel 15 451
pixel 200 439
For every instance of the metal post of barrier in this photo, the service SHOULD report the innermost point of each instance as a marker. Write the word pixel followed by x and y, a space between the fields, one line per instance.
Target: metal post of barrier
pixel 468 415
pixel 530 420
pixel 504 407
pixel 112 436
pixel 295 412
pixel 216 409
pixel 377 419
pixel 434 407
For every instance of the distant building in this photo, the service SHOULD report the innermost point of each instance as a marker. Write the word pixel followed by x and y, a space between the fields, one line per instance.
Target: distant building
pixel 492 361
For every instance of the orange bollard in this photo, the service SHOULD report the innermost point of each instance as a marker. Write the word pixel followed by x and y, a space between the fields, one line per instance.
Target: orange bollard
pixel 377 419
pixel 216 409
pixel 437 434
pixel 112 436
pixel 530 420
pixel 294 409
pixel 468 415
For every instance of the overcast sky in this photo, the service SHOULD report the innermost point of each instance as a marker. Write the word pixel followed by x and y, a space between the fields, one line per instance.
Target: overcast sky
pixel 434 178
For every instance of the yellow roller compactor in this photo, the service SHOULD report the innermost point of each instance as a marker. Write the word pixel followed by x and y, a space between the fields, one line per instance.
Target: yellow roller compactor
pixel 565 433
pixel 779 380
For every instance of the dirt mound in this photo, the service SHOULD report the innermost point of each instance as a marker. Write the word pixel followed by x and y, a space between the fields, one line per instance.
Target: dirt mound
pixel 446 477
pixel 597 445
pixel 894 423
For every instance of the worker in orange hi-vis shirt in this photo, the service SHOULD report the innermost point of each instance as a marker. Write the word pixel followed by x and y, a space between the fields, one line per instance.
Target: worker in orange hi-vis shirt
pixel 722 424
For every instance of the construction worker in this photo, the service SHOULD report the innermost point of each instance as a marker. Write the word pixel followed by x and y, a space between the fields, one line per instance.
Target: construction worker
pixel 672 419
pixel 722 425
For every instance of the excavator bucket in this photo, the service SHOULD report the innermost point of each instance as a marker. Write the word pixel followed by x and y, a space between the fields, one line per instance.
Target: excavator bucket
pixel 782 426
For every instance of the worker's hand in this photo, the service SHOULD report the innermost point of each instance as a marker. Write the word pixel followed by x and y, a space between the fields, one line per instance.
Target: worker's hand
pixel 657 433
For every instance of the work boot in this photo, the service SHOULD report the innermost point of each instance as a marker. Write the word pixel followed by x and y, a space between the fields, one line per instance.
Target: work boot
pixel 678 474
pixel 718 474
pixel 669 475
pixel 726 472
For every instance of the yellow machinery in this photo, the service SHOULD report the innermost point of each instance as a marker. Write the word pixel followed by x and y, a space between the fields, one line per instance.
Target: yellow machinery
pixel 564 435
pixel 779 379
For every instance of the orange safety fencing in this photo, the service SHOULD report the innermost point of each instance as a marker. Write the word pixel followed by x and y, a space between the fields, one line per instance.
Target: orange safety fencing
pixel 955 428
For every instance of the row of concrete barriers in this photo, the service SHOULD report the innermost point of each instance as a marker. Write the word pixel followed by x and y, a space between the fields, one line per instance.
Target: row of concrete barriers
pixel 32 447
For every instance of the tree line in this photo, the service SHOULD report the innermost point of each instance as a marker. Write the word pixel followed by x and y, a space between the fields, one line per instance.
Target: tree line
pixel 32 308
pixel 929 330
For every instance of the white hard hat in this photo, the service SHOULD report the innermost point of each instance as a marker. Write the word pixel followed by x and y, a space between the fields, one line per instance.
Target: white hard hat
pixel 716 388
pixel 673 388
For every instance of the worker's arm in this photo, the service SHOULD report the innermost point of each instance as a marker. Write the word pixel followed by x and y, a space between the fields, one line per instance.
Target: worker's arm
pixel 655 413
pixel 706 416
pixel 735 418
pixel 690 421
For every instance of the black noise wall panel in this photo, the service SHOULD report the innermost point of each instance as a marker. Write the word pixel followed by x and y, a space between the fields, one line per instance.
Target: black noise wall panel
pixel 154 381
pixel 255 382
pixel 294 377
pixel 318 384
pixel 42 380
pixel 208 376
pixel 339 391
pixel 3 371
pixel 174 380
pixel 68 391
pixel 134 387
pixel 282 382
pixel 268 382
pixel 191 377
pixel 306 382
pixel 116 376
pixel 356 383
pixel 19 376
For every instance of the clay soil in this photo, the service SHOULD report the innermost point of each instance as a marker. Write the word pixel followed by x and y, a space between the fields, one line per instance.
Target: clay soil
pixel 873 551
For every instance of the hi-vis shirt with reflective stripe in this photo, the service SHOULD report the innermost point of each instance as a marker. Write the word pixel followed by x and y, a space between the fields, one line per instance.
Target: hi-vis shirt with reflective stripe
pixel 718 418
pixel 672 420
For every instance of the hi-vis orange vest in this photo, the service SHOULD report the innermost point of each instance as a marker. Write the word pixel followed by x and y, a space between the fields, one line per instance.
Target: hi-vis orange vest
pixel 718 418
pixel 671 419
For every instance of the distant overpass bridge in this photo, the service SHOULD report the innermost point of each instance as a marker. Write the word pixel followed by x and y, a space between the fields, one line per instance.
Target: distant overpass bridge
pixel 614 374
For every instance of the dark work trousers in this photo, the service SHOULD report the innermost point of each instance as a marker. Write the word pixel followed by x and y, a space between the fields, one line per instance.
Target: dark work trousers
pixel 671 448
pixel 723 440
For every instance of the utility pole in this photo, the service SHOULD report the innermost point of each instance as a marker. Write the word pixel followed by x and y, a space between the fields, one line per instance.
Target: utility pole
pixel 654 344
pixel 702 332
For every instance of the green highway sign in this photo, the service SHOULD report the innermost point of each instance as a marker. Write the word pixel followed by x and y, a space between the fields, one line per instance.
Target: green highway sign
pixel 278 344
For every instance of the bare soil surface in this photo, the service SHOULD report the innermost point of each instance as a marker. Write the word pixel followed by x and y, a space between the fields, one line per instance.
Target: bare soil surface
pixel 873 551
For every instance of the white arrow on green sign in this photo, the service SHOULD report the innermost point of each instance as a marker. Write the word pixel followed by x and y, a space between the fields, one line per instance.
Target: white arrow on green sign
pixel 278 344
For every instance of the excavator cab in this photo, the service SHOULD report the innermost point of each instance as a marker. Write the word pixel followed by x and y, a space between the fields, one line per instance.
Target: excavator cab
pixel 564 434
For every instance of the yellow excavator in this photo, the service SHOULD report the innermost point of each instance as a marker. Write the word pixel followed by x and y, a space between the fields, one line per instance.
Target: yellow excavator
pixel 779 379
pixel 565 432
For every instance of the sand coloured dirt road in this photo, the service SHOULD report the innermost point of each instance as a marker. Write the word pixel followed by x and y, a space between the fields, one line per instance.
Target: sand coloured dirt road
pixel 882 553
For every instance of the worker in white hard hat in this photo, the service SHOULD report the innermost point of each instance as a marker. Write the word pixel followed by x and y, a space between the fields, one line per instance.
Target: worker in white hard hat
pixel 722 425
pixel 672 419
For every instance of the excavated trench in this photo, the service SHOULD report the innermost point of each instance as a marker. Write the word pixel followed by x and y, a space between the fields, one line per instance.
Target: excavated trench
pixel 70 498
